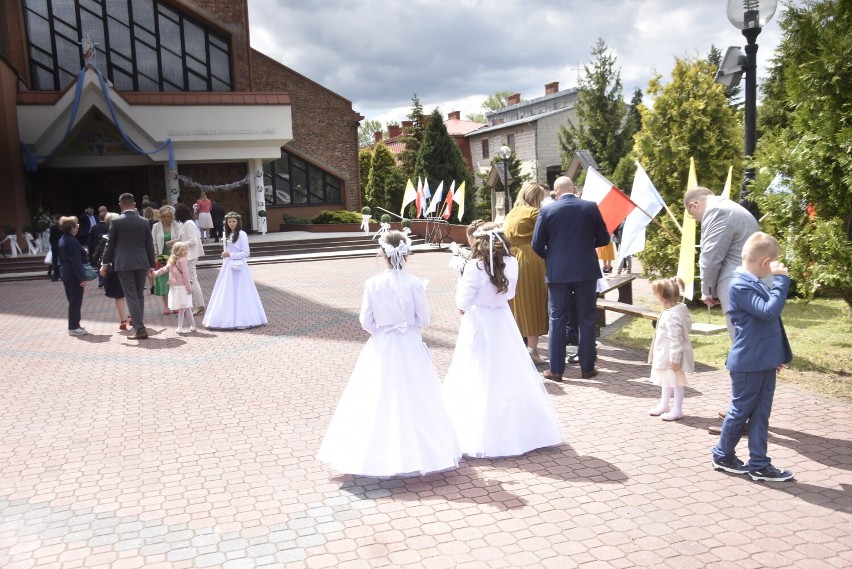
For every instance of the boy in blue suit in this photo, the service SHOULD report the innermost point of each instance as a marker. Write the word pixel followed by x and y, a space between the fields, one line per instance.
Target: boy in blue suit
pixel 759 350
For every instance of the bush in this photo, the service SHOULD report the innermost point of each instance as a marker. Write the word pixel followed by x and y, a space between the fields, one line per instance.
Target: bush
pixel 261 213
pixel 405 222
pixel 385 218
pixel 295 220
pixel 366 211
pixel 9 229
pixel 340 216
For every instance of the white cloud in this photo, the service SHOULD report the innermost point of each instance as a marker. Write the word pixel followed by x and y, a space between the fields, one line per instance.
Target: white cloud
pixel 454 54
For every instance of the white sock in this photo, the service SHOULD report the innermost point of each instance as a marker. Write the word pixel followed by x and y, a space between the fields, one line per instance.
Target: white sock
pixel 191 317
pixel 180 320
pixel 678 401
pixel 665 395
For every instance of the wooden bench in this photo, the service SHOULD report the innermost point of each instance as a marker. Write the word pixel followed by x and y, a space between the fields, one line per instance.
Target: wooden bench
pixel 624 305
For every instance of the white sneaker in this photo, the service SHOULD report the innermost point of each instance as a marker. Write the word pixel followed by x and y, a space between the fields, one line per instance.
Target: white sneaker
pixel 192 328
pixel 179 330
pixel 77 332
pixel 671 416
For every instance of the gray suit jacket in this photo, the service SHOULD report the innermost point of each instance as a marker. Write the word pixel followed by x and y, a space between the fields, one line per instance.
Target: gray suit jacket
pixel 130 245
pixel 724 230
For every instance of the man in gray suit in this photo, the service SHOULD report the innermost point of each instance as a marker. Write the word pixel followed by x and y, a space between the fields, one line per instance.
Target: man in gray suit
pixel 725 227
pixel 131 251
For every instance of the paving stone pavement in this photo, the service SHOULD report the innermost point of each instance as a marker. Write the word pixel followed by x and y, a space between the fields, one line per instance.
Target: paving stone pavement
pixel 199 451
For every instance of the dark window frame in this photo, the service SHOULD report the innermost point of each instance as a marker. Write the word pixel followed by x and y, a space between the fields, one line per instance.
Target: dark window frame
pixel 215 79
pixel 282 172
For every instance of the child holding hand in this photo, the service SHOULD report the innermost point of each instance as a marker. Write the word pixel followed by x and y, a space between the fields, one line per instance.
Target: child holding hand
pixel 180 287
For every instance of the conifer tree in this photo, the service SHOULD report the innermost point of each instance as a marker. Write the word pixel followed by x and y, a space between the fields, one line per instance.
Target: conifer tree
pixel 381 169
pixel 412 137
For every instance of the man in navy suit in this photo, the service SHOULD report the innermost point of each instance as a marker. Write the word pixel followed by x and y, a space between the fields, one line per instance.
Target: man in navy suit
pixel 760 348
pixel 566 236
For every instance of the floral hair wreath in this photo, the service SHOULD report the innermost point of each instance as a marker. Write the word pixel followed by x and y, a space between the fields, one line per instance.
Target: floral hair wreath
pixel 233 214
pixel 491 234
pixel 487 233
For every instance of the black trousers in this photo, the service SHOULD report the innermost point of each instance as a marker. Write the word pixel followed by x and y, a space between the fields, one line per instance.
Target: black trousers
pixel 74 294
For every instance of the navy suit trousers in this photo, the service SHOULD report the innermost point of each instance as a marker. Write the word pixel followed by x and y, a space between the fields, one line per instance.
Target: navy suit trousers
pixel 584 297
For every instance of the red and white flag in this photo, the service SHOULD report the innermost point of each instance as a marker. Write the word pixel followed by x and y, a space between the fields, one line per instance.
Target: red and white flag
pixel 613 203
pixel 448 202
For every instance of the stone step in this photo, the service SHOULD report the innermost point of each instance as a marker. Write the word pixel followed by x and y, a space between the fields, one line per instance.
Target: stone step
pixel 32 267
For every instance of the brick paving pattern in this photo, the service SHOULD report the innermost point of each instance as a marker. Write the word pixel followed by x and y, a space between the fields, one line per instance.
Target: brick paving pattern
pixel 199 451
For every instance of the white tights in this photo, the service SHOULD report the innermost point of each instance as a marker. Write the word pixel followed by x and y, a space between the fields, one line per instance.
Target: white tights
pixel 188 312
pixel 678 399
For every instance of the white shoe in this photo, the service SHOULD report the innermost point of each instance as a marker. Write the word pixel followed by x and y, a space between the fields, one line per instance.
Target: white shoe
pixel 658 410
pixel 77 332
pixel 192 328
pixel 179 330
pixel 671 416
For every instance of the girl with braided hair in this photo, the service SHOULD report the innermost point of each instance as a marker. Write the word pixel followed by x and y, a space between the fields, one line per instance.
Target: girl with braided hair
pixel 390 420
pixel 492 390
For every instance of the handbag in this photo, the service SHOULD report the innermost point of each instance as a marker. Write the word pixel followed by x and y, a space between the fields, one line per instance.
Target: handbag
pixel 237 264
pixel 48 259
pixel 89 272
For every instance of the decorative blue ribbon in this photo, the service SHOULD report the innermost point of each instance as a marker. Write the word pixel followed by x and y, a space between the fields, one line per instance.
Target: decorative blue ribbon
pixel 32 160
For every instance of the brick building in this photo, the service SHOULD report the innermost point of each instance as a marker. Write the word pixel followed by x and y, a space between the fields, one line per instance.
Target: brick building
pixel 180 79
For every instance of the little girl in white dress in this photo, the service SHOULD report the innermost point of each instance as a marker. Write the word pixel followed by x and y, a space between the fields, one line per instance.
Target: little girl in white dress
pixel 390 419
pixel 671 355
pixel 493 392
pixel 180 288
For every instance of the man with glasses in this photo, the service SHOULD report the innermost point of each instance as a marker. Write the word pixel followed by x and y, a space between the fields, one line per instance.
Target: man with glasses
pixel 725 227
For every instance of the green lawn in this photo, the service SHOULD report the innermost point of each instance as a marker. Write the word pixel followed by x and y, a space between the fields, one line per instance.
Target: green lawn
pixel 820 333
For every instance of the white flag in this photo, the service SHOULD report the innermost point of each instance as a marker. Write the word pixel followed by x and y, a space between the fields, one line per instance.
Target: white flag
pixel 436 199
pixel 426 191
pixel 646 196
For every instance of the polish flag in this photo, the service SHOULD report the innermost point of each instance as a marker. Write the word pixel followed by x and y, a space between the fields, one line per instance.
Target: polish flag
pixel 420 201
pixel 612 202
pixel 448 202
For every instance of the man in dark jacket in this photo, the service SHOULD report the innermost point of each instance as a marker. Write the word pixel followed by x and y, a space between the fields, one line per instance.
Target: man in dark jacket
pixel 566 235
pixel 54 236
pixel 131 251
pixel 218 215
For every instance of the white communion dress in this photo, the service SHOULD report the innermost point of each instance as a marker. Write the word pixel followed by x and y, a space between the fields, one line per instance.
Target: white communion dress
pixel 390 419
pixel 495 396
pixel 234 302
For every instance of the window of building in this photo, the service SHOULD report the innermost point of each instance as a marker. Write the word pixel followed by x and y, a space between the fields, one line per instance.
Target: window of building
pixel 485 153
pixel 292 181
pixel 510 141
pixel 143 45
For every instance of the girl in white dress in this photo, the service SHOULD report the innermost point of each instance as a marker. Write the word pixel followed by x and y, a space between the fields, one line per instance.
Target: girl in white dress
pixel 234 302
pixel 493 392
pixel 671 356
pixel 390 419
pixel 180 288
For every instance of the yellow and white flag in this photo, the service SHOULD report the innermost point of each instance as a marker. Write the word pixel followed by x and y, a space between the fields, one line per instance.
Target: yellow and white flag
pixel 408 196
pixel 686 264
pixel 726 193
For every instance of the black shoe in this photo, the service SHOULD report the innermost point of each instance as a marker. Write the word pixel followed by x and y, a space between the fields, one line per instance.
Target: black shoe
pixel 589 374
pixel 574 359
pixel 771 474
pixel 732 465
pixel 53 279
pixel 140 335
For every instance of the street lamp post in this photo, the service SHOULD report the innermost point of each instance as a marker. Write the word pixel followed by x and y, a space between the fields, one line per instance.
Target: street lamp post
pixel 505 153
pixel 750 16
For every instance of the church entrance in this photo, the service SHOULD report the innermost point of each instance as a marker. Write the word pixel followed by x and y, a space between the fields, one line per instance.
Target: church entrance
pixel 69 191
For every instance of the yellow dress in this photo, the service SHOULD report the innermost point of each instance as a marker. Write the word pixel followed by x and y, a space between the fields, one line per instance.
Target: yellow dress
pixel 530 303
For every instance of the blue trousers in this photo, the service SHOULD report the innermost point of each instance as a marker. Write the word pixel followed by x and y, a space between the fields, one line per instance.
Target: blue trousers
pixel 582 295
pixel 751 400
pixel 74 294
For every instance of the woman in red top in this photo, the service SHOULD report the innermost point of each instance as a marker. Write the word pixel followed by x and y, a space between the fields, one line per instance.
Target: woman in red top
pixel 205 220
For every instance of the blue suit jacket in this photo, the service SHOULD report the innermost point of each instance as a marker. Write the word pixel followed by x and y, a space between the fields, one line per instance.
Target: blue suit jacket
pixel 760 342
pixel 566 235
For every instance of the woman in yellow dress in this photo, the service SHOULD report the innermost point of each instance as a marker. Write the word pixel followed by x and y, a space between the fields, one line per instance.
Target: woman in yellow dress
pixel 530 303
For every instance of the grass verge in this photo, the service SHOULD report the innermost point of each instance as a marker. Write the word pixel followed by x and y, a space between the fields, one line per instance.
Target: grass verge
pixel 820 333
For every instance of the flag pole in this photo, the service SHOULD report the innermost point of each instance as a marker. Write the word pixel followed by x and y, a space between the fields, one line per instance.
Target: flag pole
pixel 652 218
pixel 390 212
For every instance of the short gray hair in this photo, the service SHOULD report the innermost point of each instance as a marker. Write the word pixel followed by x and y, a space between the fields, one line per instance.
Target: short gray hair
pixel 696 194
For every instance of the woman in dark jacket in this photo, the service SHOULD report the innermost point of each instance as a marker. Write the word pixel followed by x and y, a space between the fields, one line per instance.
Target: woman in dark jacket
pixel 71 259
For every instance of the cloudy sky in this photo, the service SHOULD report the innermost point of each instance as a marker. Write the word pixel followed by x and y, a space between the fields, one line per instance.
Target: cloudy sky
pixel 454 53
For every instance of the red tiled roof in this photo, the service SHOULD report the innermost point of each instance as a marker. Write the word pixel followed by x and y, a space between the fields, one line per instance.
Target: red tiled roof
pixel 456 127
